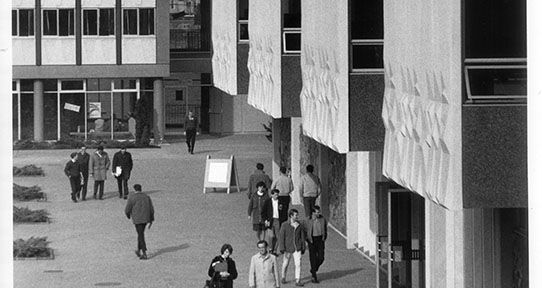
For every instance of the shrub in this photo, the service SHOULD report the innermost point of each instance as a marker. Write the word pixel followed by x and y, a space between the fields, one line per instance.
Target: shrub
pixel 23 193
pixel 25 215
pixel 74 143
pixel 28 170
pixel 32 247
pixel 143 122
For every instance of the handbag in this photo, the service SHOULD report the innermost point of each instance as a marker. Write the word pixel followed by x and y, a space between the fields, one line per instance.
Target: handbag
pixel 213 283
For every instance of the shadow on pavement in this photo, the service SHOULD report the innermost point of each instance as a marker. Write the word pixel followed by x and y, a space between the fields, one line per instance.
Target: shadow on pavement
pixel 169 250
pixel 335 274
pixel 206 151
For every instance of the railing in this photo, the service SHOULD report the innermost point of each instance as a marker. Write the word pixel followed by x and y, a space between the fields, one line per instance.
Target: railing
pixel 189 40
pixel 175 113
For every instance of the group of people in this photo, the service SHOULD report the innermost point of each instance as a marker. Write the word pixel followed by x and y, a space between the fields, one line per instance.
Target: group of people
pixel 279 231
pixel 82 165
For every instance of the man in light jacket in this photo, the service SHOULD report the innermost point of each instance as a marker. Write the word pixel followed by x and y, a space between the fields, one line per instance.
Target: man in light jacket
pixel 309 190
pixel 263 271
pixel 139 208
pixel 292 243
pixel 97 168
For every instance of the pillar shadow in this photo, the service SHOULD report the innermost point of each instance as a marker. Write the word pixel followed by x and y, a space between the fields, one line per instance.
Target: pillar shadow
pixel 169 250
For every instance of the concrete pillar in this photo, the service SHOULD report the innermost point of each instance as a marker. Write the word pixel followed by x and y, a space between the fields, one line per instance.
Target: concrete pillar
pixel 38 111
pixel 296 157
pixel 352 195
pixel 277 126
pixel 159 127
pixel 323 172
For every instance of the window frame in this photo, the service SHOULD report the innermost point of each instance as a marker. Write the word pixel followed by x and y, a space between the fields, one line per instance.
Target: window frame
pixel 98 22
pixel 138 23
pixel 363 42
pixel 290 31
pixel 71 30
pixel 32 31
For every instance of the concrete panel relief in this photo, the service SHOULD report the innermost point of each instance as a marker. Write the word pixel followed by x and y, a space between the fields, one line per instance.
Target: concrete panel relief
pixel 420 151
pixel 58 51
pixel 224 39
pixel 23 51
pixel 139 50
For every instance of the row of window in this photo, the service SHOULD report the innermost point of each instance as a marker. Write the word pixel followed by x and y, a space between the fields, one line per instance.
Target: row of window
pixel 96 22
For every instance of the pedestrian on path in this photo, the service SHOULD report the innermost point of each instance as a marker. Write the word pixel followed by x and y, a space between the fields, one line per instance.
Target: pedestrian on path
pixel 316 227
pixel 270 215
pixel 255 208
pixel 97 167
pixel 122 168
pixel 292 243
pixel 139 208
pixel 74 174
pixel 83 159
pixel 285 186
pixel 257 177
pixel 263 271
pixel 222 268
pixel 309 190
pixel 191 130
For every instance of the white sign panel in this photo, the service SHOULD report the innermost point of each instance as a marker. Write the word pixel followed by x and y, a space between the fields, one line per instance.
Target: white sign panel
pixel 72 107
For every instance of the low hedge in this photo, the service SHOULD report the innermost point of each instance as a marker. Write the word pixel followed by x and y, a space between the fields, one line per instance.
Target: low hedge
pixel 70 143
pixel 28 170
pixel 32 247
pixel 23 193
pixel 25 215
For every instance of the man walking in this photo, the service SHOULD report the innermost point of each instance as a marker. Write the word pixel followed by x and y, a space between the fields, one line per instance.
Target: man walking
pixel 83 159
pixel 309 190
pixel 285 186
pixel 122 167
pixel 139 208
pixel 74 174
pixel 190 130
pixel 263 271
pixel 292 243
pixel 257 177
pixel 316 227
pixel 97 167
pixel 270 215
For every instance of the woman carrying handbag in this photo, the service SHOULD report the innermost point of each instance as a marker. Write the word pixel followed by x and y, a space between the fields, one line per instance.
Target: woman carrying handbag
pixel 222 269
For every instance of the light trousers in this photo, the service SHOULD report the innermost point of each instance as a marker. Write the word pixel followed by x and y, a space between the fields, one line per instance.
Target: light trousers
pixel 297 263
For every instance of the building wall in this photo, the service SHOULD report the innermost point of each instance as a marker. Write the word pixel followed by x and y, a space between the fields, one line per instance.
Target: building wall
pixel 423 97
pixel 291 85
pixel 325 68
pixel 264 56
pixel 224 38
pixel 335 190
pixel 243 76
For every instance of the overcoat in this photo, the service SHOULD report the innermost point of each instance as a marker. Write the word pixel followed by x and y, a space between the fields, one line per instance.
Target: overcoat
pixel 98 165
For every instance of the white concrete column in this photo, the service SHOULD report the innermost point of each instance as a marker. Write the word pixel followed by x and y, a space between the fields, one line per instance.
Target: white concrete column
pixel 158 98
pixel 38 111
pixel 296 157
pixel 276 147
pixel 352 203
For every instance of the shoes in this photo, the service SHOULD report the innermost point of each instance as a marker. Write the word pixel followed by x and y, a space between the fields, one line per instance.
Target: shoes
pixel 315 280
pixel 299 284
pixel 283 281
pixel 94 196
pixel 143 256
pixel 125 197
pixel 137 253
pixel 74 201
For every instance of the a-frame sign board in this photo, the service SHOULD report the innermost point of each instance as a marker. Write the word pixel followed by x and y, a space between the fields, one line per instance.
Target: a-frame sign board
pixel 220 173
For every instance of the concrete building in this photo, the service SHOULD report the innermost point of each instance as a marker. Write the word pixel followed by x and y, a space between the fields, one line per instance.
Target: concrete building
pixel 79 67
pixel 414 115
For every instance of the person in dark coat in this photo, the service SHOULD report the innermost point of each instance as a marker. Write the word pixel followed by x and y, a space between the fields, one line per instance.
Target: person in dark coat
pixel 139 208
pixel 316 228
pixel 83 159
pixel 223 268
pixel 257 177
pixel 190 130
pixel 271 211
pixel 74 174
pixel 255 207
pixel 122 159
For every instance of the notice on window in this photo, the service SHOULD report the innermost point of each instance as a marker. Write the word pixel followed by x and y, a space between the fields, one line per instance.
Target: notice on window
pixel 94 110
pixel 72 107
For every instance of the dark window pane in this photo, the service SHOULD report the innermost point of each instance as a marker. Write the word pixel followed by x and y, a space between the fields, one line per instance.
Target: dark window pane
pixel 27 85
pixel 130 22
pixel 243 31
pixel 98 85
pixel 13 85
pixel 65 22
pixel 243 9
pixel 206 78
pixel 90 22
pixel 498 82
pixel 124 84
pixel 367 56
pixel 49 22
pixel 496 29
pixel 147 84
pixel 146 21
pixel 50 85
pixel 72 85
pixel 291 13
pixel 367 19
pixel 179 95
pixel 293 42
pixel 107 22
pixel 26 22
pixel 14 23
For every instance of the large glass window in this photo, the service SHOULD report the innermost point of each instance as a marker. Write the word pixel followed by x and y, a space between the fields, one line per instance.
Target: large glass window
pixel 242 17
pixel 367 36
pixel 190 24
pixel 291 26
pixel 90 22
pixel 22 22
pixel 107 22
pixel 496 51
pixel 58 22
pixel 138 21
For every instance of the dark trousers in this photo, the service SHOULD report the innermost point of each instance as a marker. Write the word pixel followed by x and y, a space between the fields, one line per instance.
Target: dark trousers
pixel 309 203
pixel 83 189
pixel 122 183
pixel 191 139
pixel 99 184
pixel 75 183
pixel 316 253
pixel 140 228
pixel 284 201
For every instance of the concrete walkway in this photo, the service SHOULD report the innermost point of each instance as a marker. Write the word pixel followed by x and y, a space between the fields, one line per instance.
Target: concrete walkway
pixel 94 242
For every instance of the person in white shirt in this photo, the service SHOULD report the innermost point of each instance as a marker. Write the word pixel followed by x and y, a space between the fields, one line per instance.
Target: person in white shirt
pixel 270 215
pixel 285 186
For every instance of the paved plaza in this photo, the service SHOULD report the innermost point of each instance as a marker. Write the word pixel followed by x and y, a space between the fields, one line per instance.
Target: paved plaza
pixel 94 242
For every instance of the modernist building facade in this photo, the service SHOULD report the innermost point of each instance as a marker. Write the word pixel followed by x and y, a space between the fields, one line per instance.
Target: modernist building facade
pixel 79 67
pixel 414 115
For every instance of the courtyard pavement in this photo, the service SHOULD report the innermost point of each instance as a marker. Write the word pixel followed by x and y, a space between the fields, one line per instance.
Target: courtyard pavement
pixel 94 242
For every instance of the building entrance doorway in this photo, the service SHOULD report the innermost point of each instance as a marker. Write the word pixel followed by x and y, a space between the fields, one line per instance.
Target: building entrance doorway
pixel 400 239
